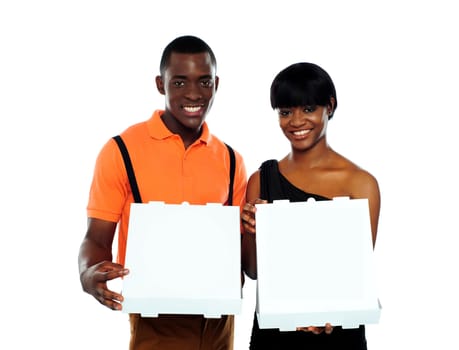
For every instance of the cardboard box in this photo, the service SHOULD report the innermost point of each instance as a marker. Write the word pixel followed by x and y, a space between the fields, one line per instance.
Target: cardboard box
pixel 315 264
pixel 183 259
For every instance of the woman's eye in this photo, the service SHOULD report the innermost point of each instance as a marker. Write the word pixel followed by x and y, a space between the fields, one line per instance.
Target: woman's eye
pixel 283 113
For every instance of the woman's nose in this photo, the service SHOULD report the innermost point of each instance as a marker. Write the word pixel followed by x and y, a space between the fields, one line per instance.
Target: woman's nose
pixel 298 118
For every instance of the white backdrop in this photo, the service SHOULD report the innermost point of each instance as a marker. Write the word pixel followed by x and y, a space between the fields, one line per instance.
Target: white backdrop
pixel 74 73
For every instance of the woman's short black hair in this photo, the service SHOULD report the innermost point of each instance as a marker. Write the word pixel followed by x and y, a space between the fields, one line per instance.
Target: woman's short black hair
pixel 185 44
pixel 303 84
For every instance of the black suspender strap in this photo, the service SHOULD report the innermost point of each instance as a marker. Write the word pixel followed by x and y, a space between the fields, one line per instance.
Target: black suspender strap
pixel 232 170
pixel 129 169
pixel 133 181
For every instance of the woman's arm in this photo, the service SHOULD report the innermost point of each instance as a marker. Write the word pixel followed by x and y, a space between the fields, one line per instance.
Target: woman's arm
pixel 249 251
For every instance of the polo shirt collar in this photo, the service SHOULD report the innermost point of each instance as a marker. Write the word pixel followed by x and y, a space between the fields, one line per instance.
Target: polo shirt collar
pixel 158 130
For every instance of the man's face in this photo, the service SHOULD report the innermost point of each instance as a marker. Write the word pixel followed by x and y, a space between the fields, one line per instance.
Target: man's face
pixel 189 84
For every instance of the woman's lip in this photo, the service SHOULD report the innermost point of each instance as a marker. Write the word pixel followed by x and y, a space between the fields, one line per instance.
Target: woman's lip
pixel 300 134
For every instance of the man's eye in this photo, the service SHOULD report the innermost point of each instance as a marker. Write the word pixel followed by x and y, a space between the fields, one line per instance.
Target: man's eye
pixel 179 83
pixel 206 83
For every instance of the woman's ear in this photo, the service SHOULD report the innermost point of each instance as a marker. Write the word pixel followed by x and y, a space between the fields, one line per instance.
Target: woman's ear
pixel 331 107
pixel 160 85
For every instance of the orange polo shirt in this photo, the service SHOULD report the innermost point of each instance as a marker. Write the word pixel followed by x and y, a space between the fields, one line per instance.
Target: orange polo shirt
pixel 165 171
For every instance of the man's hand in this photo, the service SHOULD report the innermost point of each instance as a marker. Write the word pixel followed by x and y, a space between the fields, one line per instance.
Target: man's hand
pixel 94 281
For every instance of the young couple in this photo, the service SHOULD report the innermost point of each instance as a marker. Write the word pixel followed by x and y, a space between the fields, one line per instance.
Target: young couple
pixel 194 168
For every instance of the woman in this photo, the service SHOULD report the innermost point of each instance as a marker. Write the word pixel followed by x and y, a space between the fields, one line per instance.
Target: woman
pixel 304 97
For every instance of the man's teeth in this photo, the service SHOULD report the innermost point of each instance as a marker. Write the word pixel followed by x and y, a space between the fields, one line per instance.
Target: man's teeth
pixel 192 109
pixel 301 132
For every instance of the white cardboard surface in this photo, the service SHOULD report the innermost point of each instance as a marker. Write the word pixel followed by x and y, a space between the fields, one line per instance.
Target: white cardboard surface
pixel 183 259
pixel 315 264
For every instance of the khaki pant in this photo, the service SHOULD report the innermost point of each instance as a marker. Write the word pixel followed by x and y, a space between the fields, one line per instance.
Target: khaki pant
pixel 181 332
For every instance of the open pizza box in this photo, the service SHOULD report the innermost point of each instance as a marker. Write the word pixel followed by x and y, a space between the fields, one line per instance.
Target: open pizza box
pixel 183 259
pixel 315 264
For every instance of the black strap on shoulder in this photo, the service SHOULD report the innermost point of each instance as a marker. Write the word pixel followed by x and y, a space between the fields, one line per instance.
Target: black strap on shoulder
pixel 133 181
pixel 129 168
pixel 232 171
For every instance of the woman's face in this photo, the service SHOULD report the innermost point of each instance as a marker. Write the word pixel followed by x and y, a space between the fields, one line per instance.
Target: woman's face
pixel 304 126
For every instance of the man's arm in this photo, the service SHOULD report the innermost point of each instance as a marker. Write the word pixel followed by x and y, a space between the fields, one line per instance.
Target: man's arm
pixel 95 263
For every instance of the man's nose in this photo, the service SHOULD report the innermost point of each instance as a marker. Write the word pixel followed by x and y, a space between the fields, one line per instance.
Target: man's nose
pixel 194 91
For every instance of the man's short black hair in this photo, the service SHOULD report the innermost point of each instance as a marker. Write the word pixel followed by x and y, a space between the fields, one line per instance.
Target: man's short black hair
pixel 185 44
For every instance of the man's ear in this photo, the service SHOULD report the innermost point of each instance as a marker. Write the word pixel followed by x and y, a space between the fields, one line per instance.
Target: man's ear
pixel 217 80
pixel 160 85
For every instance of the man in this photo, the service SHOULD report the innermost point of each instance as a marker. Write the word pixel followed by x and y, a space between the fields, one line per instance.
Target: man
pixel 175 159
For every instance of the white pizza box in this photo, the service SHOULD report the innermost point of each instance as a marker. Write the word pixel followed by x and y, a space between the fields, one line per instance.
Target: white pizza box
pixel 315 264
pixel 183 259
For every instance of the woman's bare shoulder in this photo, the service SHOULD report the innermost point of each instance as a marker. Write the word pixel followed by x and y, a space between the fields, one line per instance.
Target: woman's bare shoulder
pixel 358 178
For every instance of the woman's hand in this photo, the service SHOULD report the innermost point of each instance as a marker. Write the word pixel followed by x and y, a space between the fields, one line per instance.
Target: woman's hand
pixel 248 215
pixel 317 330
